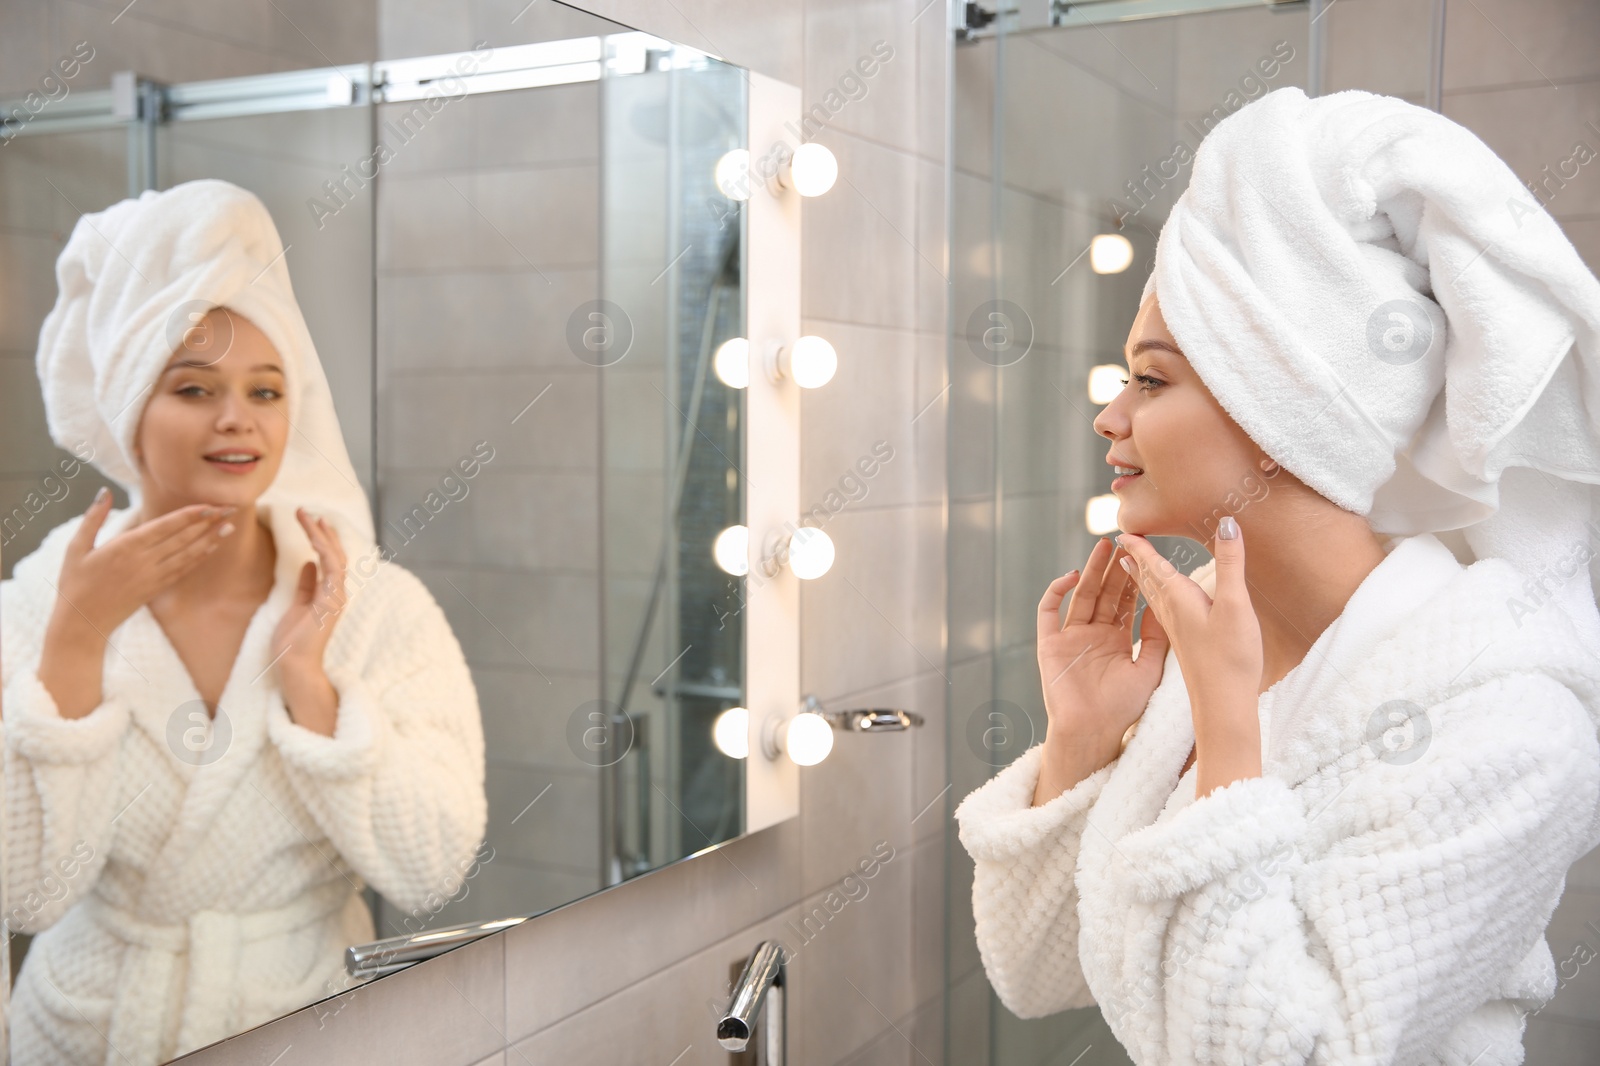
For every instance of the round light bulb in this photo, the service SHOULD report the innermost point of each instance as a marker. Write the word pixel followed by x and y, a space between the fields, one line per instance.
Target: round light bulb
pixel 812 362
pixel 733 174
pixel 814 169
pixel 1110 253
pixel 1105 382
pixel 1101 512
pixel 731 732
pixel 731 550
pixel 810 552
pixel 732 362
pixel 808 739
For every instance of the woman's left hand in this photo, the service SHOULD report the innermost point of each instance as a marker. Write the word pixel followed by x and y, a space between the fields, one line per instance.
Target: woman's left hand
pixel 1217 639
pixel 306 627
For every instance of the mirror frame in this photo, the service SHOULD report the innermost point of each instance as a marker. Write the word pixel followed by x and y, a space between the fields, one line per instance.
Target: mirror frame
pixel 772 450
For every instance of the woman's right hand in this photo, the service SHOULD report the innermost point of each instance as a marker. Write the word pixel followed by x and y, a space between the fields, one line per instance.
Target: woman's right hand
pixel 99 588
pixel 1093 688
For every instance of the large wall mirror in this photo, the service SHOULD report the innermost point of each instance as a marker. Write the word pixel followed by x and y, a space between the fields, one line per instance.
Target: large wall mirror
pixel 518 266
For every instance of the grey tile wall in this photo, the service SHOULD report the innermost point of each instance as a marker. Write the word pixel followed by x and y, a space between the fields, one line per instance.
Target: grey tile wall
pixel 629 975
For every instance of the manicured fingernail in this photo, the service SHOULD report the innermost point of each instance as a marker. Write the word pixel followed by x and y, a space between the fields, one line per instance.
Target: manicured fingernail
pixel 1227 529
pixel 102 494
pixel 1127 564
pixel 224 529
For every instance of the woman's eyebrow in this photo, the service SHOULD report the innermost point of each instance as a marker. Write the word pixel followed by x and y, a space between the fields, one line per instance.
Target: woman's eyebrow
pixel 212 364
pixel 1155 343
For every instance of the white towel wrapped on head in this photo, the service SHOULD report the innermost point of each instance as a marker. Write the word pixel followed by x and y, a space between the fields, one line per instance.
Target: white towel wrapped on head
pixel 1377 300
pixel 131 280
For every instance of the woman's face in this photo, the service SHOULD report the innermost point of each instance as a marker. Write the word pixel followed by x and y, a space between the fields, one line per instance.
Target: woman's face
pixel 1165 422
pixel 215 428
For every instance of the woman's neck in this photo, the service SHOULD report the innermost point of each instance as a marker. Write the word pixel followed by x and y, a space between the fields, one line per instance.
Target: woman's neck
pixel 242 565
pixel 1301 575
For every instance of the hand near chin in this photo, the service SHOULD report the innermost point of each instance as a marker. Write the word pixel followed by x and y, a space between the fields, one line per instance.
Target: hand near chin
pixel 1094 689
pixel 101 586
pixel 1217 639
pixel 307 625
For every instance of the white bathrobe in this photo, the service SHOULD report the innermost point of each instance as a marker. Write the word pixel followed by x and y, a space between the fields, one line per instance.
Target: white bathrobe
pixel 176 904
pixel 1367 900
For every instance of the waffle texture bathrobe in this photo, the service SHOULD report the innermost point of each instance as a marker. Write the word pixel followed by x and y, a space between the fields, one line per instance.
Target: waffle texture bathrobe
pixel 1378 896
pixel 179 899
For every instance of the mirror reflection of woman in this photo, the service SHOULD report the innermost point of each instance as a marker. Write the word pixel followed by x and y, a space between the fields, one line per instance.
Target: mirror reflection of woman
pixel 224 714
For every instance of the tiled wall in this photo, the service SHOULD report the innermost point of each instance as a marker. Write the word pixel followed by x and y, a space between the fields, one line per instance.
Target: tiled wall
pixel 488 224
pixel 632 975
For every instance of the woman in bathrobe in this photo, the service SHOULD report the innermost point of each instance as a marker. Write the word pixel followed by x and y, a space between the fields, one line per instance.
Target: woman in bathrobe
pixel 224 712
pixel 1323 810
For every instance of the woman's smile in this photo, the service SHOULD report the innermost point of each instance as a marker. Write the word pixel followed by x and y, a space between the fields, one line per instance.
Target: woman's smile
pixel 234 460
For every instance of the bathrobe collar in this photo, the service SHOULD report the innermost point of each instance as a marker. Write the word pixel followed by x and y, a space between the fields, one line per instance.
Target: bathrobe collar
pixel 141 656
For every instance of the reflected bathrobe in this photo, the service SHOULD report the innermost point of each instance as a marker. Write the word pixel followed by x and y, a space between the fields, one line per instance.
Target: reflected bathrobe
pixel 1378 896
pixel 178 900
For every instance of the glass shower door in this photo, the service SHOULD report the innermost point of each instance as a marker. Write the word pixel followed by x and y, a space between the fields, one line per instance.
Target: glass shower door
pixel 1061 133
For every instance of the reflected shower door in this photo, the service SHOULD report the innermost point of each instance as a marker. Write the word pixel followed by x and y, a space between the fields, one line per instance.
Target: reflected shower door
pixel 1060 134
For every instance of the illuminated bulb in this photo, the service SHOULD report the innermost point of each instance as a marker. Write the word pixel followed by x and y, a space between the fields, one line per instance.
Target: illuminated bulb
pixel 1100 514
pixel 812 361
pixel 732 550
pixel 731 732
pixel 1105 381
pixel 808 738
pixel 1110 253
pixel 732 363
pixel 733 174
pixel 810 552
pixel 813 170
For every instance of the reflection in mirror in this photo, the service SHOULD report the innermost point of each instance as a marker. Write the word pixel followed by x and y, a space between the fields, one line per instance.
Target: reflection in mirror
pixel 446 346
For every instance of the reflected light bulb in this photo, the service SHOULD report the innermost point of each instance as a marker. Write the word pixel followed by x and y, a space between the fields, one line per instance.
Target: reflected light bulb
pixel 812 361
pixel 1110 253
pixel 1100 513
pixel 808 739
pixel 814 169
pixel 733 174
pixel 732 362
pixel 810 552
pixel 732 550
pixel 731 732
pixel 1105 381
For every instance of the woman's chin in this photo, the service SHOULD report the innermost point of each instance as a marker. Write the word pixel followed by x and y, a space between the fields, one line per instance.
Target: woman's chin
pixel 227 490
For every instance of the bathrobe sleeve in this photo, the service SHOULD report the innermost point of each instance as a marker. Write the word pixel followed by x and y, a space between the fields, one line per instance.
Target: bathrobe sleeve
pixel 61 782
pixel 399 786
pixel 1024 898
pixel 1365 930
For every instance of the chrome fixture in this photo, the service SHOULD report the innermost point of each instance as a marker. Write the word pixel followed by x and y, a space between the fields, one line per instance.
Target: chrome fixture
pixel 383 957
pixel 757 996
pixel 872 720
